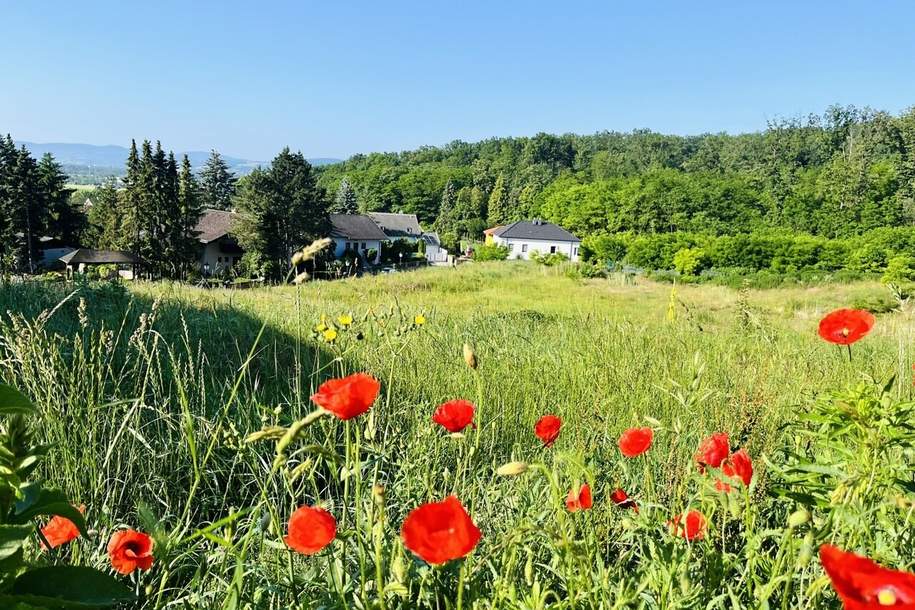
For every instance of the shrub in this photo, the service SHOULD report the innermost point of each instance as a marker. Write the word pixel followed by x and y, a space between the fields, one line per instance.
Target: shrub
pixel 690 261
pixel 550 260
pixel 899 269
pixel 490 252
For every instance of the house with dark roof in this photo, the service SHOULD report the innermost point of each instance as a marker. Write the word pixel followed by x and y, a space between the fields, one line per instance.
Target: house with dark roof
pixel 220 250
pixel 525 237
pixel 398 226
pixel 356 233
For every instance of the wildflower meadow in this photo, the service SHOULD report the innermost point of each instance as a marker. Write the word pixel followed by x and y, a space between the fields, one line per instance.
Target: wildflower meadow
pixel 492 436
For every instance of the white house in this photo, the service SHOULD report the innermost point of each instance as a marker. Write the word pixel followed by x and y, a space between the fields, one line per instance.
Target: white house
pixel 525 237
pixel 356 233
pixel 220 248
pixel 434 251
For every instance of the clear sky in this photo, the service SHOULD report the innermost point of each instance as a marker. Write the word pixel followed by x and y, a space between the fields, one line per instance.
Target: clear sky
pixel 335 78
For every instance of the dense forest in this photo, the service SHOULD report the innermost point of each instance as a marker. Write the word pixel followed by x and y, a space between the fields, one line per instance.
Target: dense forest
pixel 835 175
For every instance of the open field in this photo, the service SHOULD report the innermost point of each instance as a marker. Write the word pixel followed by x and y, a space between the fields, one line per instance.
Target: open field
pixel 147 396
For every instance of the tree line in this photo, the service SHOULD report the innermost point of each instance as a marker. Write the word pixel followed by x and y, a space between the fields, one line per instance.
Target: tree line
pixel 838 174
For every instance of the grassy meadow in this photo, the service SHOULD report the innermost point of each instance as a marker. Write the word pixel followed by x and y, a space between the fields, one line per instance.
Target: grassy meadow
pixel 147 395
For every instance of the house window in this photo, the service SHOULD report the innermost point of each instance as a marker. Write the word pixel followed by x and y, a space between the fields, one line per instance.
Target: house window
pixel 575 251
pixel 511 247
pixel 364 246
pixel 552 249
pixel 524 247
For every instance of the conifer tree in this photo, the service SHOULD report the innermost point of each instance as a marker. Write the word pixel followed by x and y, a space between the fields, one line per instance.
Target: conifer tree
pixel 217 183
pixel 66 221
pixel 497 202
pixel 27 212
pixel 346 201
pixel 190 211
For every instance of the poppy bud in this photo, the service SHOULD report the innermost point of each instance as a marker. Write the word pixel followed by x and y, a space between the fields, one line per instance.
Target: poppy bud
pixel 798 518
pixel 470 357
pixel 511 469
pixel 378 493
pixel 806 552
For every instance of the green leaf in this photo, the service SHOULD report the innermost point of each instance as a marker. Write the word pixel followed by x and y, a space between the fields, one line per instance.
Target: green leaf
pixel 12 537
pixel 69 587
pixel 13 402
pixel 49 502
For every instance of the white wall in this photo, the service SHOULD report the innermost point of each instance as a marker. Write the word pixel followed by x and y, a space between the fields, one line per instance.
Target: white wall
pixel 362 246
pixel 217 259
pixel 523 248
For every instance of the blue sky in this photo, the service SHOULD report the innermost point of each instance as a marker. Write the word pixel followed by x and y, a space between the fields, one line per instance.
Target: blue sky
pixel 334 78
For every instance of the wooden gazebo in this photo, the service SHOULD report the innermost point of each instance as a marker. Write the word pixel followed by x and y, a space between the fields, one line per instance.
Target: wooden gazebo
pixel 85 257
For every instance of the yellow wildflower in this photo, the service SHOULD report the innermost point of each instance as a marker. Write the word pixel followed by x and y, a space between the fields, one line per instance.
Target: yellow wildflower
pixel 320 328
pixel 419 320
pixel 330 334
pixel 345 320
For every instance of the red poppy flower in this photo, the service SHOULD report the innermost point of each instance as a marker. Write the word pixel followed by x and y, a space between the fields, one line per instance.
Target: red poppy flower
pixel 310 530
pixel 547 429
pixel 863 584
pixel 130 550
pixel 690 527
pixel 739 465
pixel 455 415
pixel 622 500
pixel 635 441
pixel 845 326
pixel 579 501
pixel 348 397
pixel 438 532
pixel 713 450
pixel 60 530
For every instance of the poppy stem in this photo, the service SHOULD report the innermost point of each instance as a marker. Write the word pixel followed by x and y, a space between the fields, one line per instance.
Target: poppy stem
pixel 460 591
pixel 849 351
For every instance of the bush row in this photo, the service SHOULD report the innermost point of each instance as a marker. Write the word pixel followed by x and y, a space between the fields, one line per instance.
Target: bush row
pixel 886 250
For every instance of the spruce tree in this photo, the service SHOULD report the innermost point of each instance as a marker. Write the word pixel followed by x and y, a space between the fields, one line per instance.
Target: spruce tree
pixel 133 200
pixel 28 213
pixel 190 211
pixel 66 220
pixel 8 156
pixel 346 201
pixel 109 227
pixel 217 183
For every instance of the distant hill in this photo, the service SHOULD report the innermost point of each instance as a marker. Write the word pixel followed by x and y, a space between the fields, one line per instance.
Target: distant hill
pixel 89 161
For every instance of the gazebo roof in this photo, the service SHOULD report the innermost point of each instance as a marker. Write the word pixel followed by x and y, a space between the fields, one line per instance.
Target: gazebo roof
pixel 99 257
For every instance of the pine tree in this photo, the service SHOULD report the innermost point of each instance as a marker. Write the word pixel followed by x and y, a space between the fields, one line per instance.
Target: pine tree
pixel 497 202
pixel 109 228
pixel 133 200
pixel 346 201
pixel 217 183
pixel 67 221
pixel 8 156
pixel 27 212
pixel 190 211
pixel 446 212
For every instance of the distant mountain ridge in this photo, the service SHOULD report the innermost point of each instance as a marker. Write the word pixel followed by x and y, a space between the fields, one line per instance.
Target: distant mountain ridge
pixel 76 155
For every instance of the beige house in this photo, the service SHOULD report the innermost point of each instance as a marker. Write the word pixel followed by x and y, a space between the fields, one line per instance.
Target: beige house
pixel 220 250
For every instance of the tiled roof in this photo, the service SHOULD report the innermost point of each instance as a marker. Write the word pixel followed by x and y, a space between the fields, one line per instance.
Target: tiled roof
pixel 214 224
pixel 355 226
pixel 397 225
pixel 99 257
pixel 536 229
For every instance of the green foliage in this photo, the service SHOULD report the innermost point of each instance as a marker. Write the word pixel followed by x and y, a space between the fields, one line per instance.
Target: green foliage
pixel 21 501
pixel 490 252
pixel 549 259
pixel 217 183
pixel 282 209
pixel 899 269
pixel 690 261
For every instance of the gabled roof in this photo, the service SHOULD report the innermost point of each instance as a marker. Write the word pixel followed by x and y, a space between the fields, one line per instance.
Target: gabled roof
pixel 492 230
pixel 99 257
pixel 432 239
pixel 355 226
pixel 397 225
pixel 535 229
pixel 214 224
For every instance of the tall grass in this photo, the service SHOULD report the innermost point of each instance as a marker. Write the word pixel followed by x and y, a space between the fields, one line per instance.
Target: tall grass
pixel 147 398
